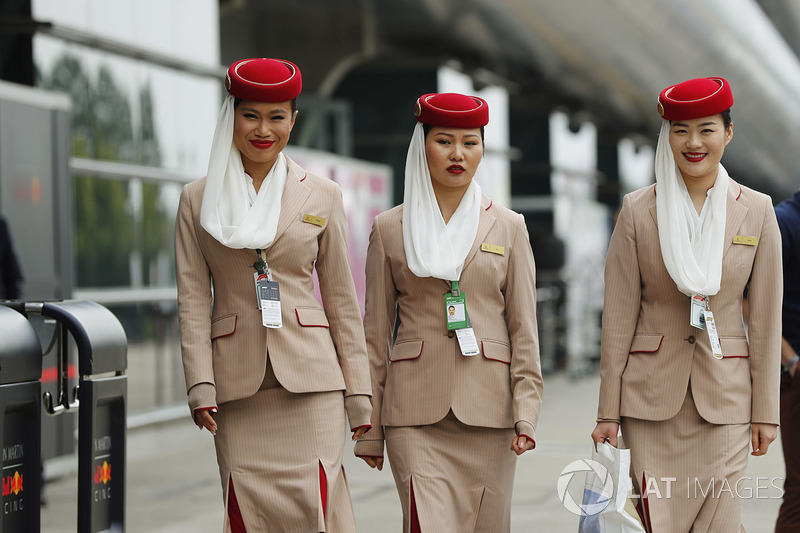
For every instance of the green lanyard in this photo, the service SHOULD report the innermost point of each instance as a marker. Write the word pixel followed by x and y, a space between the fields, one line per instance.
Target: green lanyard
pixel 261 266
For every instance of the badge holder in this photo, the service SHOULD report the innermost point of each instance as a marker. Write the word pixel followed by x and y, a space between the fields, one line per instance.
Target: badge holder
pixel 699 305
pixel 713 336
pixel 455 303
pixel 702 318
pixel 268 295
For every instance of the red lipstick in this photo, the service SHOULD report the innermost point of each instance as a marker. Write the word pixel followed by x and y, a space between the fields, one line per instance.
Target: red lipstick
pixel 262 145
pixel 694 157
pixel 455 169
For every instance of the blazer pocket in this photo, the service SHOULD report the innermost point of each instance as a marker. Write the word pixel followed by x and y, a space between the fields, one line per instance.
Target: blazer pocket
pixel 646 343
pixel 496 351
pixel 223 326
pixel 406 350
pixel 734 347
pixel 312 317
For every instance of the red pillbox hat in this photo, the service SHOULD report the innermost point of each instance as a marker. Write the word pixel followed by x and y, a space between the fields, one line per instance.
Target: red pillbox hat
pixel 264 80
pixel 452 110
pixel 700 97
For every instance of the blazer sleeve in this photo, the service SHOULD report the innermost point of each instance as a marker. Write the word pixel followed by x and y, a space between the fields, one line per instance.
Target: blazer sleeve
pixel 341 304
pixel 765 295
pixel 194 306
pixel 379 321
pixel 520 312
pixel 622 301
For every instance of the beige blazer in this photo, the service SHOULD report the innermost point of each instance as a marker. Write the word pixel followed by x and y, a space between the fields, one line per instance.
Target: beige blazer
pixel 650 352
pixel 222 339
pixel 420 377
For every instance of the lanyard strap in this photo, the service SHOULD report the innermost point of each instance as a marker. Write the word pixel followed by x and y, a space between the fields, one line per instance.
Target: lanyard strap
pixel 454 288
pixel 260 265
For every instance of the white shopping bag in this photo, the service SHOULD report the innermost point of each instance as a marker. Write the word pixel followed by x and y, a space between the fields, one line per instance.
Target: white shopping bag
pixel 606 494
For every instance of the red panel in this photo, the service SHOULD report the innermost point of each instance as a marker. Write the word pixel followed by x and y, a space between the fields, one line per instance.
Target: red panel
pixel 234 514
pixel 323 489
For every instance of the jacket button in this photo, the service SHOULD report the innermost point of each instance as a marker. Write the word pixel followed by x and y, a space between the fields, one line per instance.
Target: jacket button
pixel 691 339
pixel 451 333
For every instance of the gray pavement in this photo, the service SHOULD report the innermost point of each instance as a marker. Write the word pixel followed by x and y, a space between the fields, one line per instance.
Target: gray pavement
pixel 173 484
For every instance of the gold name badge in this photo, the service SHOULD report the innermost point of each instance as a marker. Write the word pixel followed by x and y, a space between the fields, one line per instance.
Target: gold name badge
pixel 311 219
pixel 493 249
pixel 743 239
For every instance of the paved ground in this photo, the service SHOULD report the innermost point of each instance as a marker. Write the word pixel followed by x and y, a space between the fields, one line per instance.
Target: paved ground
pixel 173 485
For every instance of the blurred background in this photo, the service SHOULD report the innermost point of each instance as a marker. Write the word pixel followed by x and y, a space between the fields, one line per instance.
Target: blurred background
pixel 107 107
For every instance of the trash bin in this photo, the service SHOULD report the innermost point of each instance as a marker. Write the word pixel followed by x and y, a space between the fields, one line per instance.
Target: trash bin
pixel 102 390
pixel 20 422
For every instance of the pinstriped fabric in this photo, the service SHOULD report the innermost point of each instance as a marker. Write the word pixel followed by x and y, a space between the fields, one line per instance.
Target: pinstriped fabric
pixel 453 491
pixel 307 355
pixel 274 458
pixel 268 405
pixel 427 375
pixel 695 470
pixel 649 350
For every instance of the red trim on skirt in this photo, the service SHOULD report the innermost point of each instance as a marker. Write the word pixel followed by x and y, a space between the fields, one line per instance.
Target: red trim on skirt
pixel 413 503
pixel 234 513
pixel 323 489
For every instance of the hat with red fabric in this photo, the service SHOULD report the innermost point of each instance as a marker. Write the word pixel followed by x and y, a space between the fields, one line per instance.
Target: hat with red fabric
pixel 264 80
pixel 452 110
pixel 700 97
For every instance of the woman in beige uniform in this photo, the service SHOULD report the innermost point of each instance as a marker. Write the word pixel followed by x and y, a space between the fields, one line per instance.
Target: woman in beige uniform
pixel 268 370
pixel 456 396
pixel 689 386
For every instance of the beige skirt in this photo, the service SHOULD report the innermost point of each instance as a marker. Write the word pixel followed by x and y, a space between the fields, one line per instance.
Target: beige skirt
pixel 694 471
pixel 461 476
pixel 282 452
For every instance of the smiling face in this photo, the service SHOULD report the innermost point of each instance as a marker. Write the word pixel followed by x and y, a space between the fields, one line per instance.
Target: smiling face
pixel 260 132
pixel 453 156
pixel 697 146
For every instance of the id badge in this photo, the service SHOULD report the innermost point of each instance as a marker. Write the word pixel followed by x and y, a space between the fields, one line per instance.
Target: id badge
pixel 699 305
pixel 270 297
pixel 455 308
pixel 259 278
pixel 467 341
pixel 716 348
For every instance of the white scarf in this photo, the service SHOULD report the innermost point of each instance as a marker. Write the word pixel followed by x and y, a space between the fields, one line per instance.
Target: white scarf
pixel 226 212
pixel 694 262
pixel 433 248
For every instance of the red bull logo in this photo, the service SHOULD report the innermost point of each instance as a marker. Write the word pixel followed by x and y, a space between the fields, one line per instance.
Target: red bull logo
pixel 12 485
pixel 102 474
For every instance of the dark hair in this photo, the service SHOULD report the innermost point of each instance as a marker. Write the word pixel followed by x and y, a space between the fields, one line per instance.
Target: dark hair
pixel 237 101
pixel 726 119
pixel 427 129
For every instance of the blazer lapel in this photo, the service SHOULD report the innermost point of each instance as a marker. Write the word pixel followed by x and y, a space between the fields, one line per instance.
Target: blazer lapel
pixel 735 215
pixel 295 194
pixel 485 223
pixel 653 212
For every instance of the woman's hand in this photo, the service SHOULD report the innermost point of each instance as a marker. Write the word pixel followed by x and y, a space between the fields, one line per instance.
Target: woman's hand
pixel 521 444
pixel 373 462
pixel 360 431
pixel 605 432
pixel 203 419
pixel 763 435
